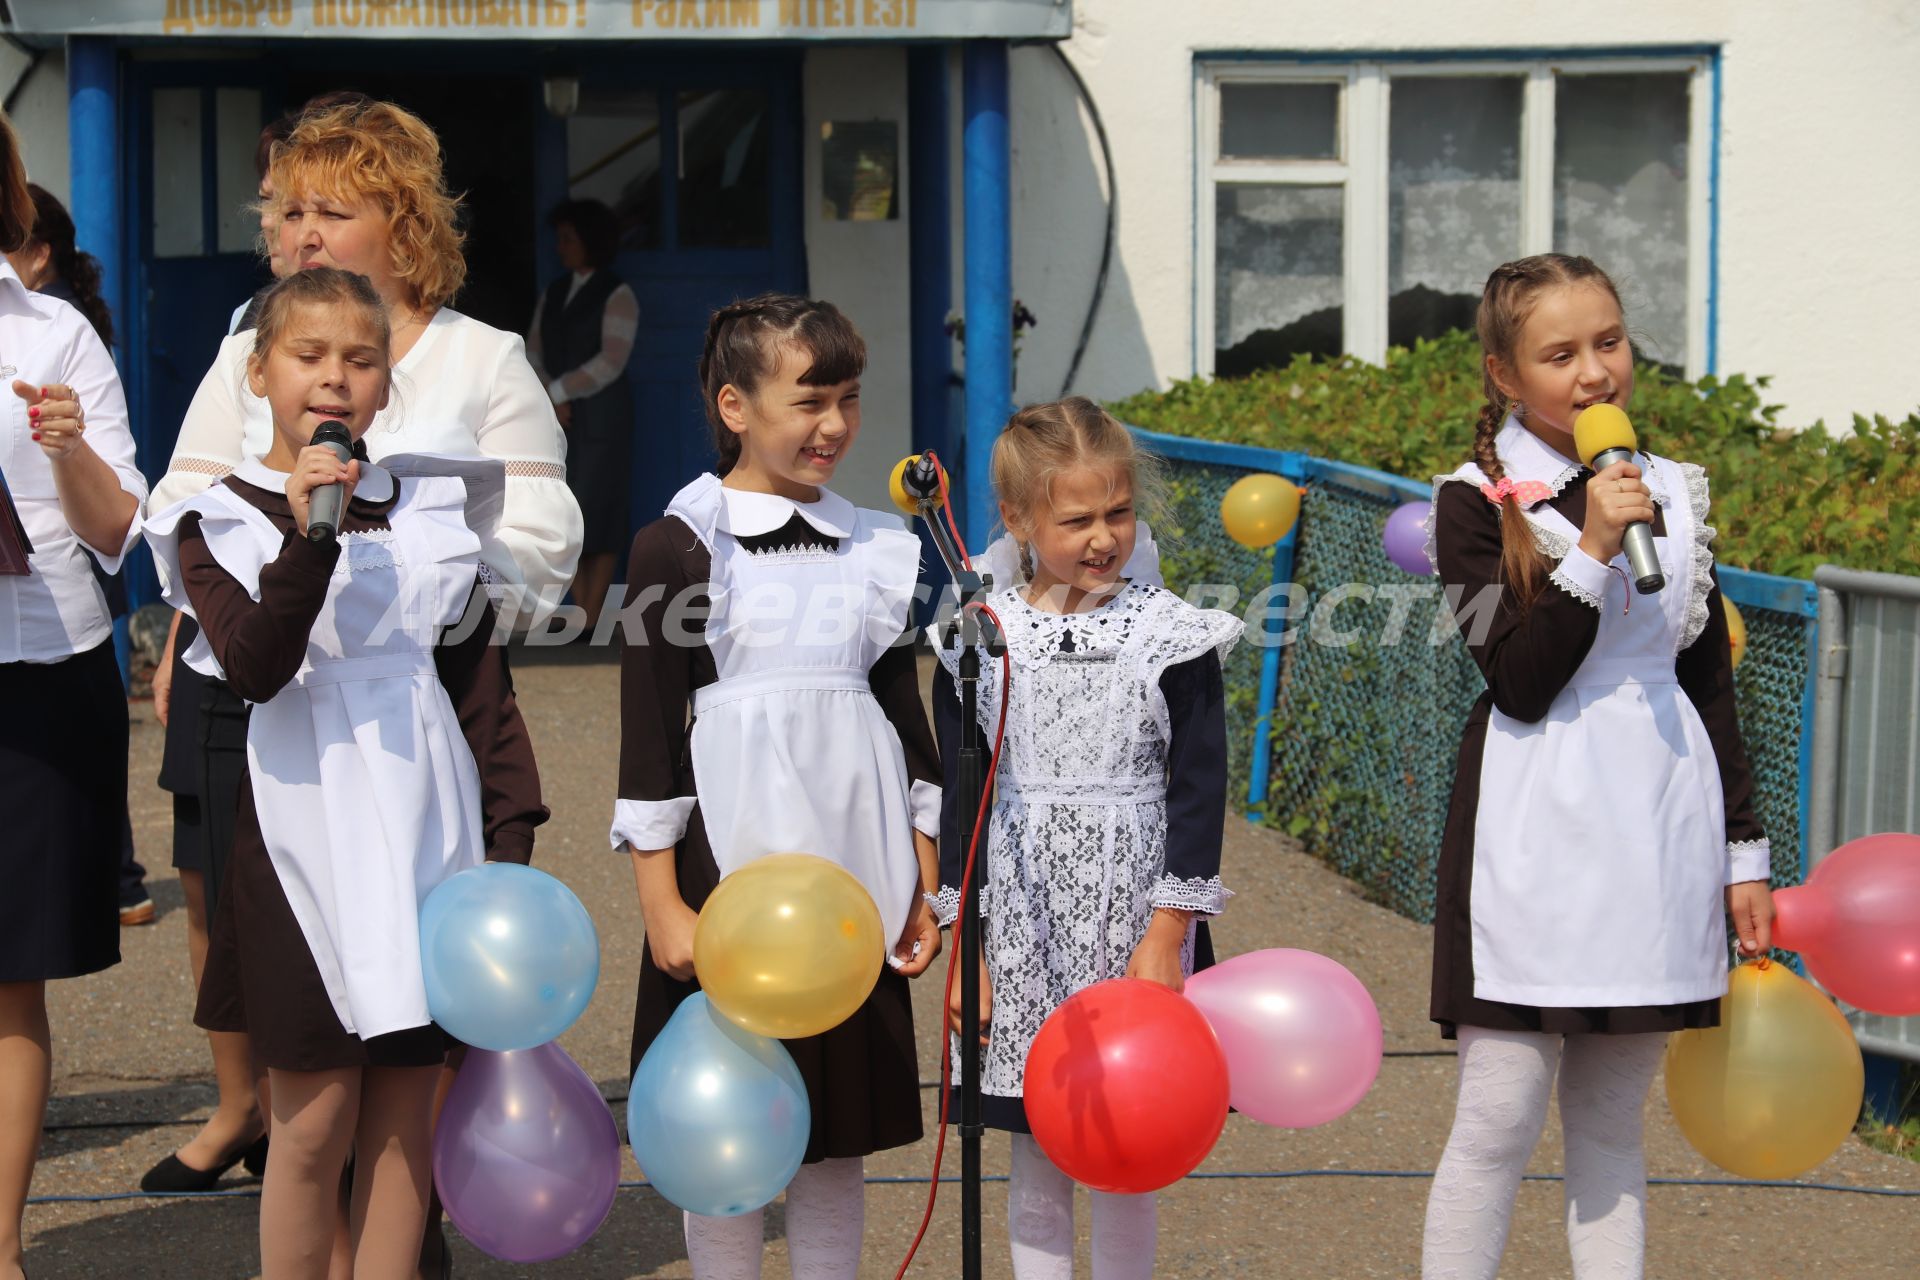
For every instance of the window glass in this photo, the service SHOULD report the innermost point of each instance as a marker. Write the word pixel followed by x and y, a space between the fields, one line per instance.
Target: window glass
pixel 1279 122
pixel 725 169
pixel 237 119
pixel 1277 274
pixel 179 224
pixel 1453 198
pixel 613 155
pixel 1620 195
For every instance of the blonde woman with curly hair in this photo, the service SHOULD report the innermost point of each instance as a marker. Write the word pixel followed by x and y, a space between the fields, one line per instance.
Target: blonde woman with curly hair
pixel 360 186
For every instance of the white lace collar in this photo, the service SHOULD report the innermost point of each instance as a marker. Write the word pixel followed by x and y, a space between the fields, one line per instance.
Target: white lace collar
pixel 376 482
pixel 745 515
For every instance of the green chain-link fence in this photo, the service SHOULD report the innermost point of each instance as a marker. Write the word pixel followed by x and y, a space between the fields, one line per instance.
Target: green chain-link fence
pixel 1371 685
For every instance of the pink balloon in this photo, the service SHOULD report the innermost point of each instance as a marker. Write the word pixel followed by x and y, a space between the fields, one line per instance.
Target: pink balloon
pixel 1856 922
pixel 1301 1034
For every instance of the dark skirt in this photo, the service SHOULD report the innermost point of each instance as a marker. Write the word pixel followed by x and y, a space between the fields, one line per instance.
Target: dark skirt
pixel 599 467
pixel 261 979
pixel 1453 1003
pixel 63 791
pixel 862 1077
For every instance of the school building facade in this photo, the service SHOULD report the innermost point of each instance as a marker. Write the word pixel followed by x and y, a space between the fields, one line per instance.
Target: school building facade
pixel 1170 188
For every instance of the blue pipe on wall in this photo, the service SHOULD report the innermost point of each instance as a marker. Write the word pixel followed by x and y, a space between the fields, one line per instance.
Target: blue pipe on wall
pixel 989 271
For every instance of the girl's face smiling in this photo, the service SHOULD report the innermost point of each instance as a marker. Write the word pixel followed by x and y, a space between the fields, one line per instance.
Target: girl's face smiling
pixel 336 231
pixel 326 365
pixel 1081 539
pixel 1572 352
pixel 792 435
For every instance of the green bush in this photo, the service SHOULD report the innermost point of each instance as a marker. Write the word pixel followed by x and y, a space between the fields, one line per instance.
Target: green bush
pixel 1783 500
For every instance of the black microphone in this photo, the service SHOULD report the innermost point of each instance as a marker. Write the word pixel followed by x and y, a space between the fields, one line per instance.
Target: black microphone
pixel 1602 436
pixel 324 503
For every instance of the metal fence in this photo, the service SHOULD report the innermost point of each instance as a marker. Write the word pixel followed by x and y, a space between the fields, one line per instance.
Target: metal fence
pixel 1865 774
pixel 1345 717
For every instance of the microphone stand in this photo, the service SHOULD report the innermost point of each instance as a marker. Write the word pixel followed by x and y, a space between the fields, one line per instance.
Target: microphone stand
pixel 971 629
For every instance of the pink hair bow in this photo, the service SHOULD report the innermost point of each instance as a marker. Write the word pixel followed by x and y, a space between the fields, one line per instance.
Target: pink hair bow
pixel 1525 492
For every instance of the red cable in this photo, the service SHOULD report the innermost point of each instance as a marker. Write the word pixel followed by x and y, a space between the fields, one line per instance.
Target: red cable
pixel 966 879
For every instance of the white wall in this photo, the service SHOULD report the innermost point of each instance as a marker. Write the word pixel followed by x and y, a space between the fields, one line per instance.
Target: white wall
pixel 40 116
pixel 863 267
pixel 1819 260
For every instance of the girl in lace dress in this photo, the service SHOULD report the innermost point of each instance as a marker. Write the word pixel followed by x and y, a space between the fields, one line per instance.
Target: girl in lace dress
pixel 1602 810
pixel 1103 848
pixel 770 607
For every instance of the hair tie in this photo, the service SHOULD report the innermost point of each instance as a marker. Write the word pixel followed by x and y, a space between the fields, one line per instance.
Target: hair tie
pixel 1525 492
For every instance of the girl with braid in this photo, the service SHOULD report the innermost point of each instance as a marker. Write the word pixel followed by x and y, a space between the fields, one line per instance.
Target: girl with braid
pixel 1602 811
pixel 773 610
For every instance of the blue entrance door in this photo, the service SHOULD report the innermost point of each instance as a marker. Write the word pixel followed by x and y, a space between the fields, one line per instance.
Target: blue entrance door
pixel 701 160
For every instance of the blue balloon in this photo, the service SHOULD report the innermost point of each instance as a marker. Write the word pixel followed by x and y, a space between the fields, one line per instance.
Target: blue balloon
pixel 718 1116
pixel 509 955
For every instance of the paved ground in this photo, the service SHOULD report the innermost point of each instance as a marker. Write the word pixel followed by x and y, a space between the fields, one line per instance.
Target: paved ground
pixel 131 1076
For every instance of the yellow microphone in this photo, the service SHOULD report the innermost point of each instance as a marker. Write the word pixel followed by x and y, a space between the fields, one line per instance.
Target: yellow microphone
pixel 916 482
pixel 1602 436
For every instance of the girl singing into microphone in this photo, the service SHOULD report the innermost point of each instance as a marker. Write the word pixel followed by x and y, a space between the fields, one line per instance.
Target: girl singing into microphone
pixel 1103 847
pixel 773 609
pixel 383 756
pixel 1603 810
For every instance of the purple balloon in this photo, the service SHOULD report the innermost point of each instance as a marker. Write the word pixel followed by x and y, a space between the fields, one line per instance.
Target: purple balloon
pixel 1406 537
pixel 526 1154
pixel 1301 1034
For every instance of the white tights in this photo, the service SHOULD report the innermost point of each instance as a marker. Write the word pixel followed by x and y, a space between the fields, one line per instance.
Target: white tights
pixel 826 1215
pixel 1505 1078
pixel 1040 1223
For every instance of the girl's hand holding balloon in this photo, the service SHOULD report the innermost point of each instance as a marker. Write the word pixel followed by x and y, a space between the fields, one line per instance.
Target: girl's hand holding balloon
pixel 1157 958
pixel 670 938
pixel 1750 904
pixel 919 942
pixel 986 1004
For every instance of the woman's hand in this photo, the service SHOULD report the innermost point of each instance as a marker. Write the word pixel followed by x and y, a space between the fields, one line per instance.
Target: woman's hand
pixel 670 938
pixel 1750 903
pixel 163 675
pixel 1616 498
pixel 56 419
pixel 986 1004
pixel 919 941
pixel 1157 958
pixel 564 412
pixel 317 466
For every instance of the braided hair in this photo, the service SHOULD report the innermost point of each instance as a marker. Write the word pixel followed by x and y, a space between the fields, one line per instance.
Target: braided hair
pixel 53 227
pixel 1505 304
pixel 743 341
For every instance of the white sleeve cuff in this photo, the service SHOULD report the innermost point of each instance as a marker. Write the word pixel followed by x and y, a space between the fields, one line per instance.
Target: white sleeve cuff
pixel 651 824
pixel 1203 895
pixel 924 801
pixel 945 904
pixel 557 392
pixel 110 561
pixel 1582 577
pixel 1749 860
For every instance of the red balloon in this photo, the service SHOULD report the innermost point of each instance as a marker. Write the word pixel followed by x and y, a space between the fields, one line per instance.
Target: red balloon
pixel 1126 1086
pixel 1856 922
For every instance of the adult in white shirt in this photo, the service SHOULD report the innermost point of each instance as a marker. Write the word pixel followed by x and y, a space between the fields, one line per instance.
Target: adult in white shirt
pixel 360 187
pixel 66 458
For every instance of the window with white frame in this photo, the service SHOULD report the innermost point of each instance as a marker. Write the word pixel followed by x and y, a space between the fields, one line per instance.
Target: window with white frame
pixel 1349 207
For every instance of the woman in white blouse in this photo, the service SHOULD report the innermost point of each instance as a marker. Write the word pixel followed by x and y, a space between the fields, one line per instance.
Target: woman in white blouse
pixel 66 460
pixel 360 187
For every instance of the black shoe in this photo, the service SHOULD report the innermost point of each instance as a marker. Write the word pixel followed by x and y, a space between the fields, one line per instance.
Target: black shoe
pixel 254 1158
pixel 174 1174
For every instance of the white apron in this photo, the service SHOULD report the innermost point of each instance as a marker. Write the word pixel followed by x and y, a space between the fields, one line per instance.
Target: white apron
pixel 1600 856
pixel 791 751
pixel 366 790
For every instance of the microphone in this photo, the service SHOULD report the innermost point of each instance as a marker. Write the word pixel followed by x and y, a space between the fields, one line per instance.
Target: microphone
pixel 323 504
pixel 915 485
pixel 1602 436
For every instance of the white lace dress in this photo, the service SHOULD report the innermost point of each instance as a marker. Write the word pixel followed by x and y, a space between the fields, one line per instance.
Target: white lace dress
pixel 1109 803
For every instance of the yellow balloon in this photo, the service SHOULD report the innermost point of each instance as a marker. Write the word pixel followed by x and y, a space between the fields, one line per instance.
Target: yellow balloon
pixel 788 946
pixel 1775 1088
pixel 1258 510
pixel 1736 630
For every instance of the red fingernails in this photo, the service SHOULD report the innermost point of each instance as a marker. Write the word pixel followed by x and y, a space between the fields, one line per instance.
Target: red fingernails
pixel 33 411
pixel 43 393
pixel 36 435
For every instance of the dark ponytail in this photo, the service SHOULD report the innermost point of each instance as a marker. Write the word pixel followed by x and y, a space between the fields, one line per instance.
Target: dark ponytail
pixel 743 341
pixel 80 271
